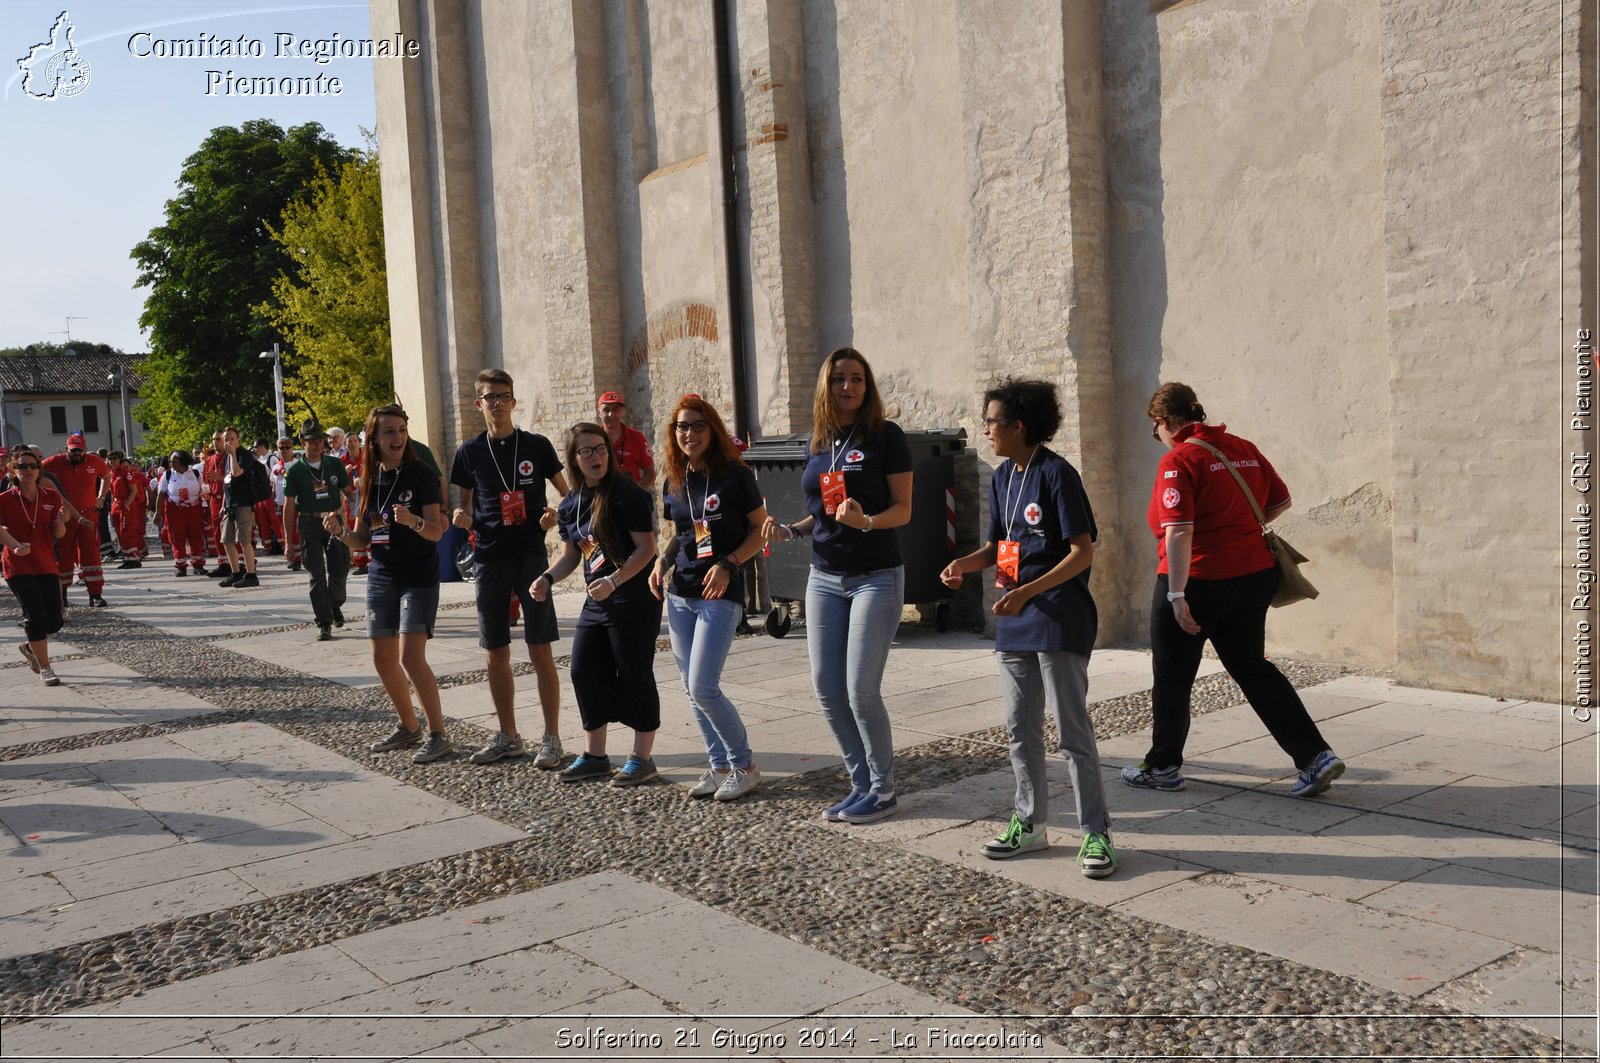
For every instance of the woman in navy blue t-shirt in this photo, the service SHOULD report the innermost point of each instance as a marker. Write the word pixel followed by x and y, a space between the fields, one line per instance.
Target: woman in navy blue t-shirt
pixel 857 485
pixel 712 499
pixel 608 530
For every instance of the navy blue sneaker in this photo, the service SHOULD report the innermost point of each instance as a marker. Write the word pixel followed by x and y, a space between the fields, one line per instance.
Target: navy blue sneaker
pixel 1144 777
pixel 1319 775
pixel 834 813
pixel 870 809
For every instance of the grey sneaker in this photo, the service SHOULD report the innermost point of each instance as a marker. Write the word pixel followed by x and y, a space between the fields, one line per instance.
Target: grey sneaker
pixel 709 783
pixel 47 676
pixel 586 767
pixel 1319 775
pixel 550 753
pixel 1144 777
pixel 437 748
pixel 402 738
pixel 636 770
pixel 739 782
pixel 500 746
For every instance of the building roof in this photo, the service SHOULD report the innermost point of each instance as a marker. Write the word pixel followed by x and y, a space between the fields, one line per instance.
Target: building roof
pixel 55 374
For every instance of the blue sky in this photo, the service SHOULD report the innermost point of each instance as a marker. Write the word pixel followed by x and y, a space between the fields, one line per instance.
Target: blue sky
pixel 87 176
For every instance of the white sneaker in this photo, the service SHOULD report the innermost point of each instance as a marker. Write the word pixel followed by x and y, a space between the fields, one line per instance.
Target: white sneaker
pixel 47 676
pixel 709 783
pixel 550 753
pixel 739 782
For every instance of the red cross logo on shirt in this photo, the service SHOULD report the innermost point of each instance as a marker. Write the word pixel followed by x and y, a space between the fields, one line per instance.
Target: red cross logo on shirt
pixel 525 467
pixel 1033 514
pixel 855 457
pixel 713 503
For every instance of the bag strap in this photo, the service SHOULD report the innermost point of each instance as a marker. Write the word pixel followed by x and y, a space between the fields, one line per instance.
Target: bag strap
pixel 1249 495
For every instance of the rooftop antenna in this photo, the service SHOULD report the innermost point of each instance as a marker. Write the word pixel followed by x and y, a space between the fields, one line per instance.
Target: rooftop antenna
pixel 67 332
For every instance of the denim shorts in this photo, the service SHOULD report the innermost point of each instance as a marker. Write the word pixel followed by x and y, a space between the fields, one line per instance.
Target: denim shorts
pixel 395 610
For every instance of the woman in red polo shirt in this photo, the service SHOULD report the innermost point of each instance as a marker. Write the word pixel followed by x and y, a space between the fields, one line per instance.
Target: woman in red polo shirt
pixel 32 518
pixel 1215 580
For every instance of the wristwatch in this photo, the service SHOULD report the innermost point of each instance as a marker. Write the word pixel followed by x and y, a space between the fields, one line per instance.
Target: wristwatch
pixel 1173 596
pixel 420 524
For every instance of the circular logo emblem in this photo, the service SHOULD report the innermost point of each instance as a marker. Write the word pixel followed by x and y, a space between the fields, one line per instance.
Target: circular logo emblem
pixel 713 503
pixel 855 457
pixel 1169 498
pixel 405 496
pixel 525 468
pixel 1033 514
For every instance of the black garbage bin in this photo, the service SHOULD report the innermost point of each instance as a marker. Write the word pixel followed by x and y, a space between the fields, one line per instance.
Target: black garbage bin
pixel 927 543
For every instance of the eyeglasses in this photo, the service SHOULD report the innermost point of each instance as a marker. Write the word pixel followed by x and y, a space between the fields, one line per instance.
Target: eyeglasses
pixel 990 422
pixel 695 427
pixel 30 465
pixel 497 398
pixel 1155 431
pixel 589 452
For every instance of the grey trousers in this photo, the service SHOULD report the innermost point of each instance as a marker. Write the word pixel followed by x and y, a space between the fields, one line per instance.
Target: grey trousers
pixel 1030 681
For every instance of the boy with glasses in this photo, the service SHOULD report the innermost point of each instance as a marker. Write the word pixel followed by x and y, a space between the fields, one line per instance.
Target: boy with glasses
pixel 501 476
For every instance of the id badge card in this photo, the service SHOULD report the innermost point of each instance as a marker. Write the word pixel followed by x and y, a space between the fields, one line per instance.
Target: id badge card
pixel 319 488
pixel 183 496
pixel 379 530
pixel 593 556
pixel 1008 570
pixel 513 508
pixel 702 539
pixel 832 492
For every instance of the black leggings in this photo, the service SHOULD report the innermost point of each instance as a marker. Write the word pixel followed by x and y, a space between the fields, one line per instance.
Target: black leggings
pixel 1232 613
pixel 40 598
pixel 613 666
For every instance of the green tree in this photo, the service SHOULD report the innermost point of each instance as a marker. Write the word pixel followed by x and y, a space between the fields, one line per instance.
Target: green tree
pixel 333 306
pixel 209 267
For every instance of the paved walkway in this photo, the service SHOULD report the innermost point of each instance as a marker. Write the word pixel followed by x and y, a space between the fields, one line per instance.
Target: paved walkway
pixel 1454 865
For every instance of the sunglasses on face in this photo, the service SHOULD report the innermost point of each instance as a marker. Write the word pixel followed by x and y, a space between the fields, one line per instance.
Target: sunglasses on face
pixel 30 465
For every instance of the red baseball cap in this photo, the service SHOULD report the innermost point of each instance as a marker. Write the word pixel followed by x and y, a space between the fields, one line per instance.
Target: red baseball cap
pixel 76 440
pixel 611 398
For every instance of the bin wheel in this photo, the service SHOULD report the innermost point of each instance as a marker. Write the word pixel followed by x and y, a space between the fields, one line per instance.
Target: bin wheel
pixel 941 617
pixel 778 622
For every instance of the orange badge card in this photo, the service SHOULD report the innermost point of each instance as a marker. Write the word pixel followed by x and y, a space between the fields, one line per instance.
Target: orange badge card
pixel 593 556
pixel 1008 571
pixel 702 539
pixel 833 493
pixel 513 508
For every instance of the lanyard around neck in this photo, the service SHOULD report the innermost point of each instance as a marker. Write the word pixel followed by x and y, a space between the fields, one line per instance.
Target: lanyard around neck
pixel 1011 507
pixel 837 448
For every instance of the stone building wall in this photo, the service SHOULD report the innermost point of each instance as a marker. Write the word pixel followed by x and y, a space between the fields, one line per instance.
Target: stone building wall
pixel 1340 220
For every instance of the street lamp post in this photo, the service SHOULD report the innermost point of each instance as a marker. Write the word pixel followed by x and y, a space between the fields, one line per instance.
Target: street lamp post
pixel 119 377
pixel 277 387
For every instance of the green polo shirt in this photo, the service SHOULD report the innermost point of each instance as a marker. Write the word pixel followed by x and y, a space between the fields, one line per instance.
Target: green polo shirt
pixel 316 488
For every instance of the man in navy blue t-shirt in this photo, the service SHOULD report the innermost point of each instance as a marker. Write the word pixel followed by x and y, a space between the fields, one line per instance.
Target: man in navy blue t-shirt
pixel 501 476
pixel 1041 542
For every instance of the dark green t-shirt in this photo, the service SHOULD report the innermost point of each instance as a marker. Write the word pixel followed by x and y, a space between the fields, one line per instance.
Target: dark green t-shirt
pixel 316 488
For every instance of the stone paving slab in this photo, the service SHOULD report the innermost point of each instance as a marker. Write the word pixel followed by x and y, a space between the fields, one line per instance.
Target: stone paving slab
pixel 94 695
pixel 524 975
pixel 164 831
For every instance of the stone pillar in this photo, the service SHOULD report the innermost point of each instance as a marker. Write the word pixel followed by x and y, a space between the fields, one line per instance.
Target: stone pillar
pixel 1472 253
pixel 577 229
pixel 1037 230
pixel 782 284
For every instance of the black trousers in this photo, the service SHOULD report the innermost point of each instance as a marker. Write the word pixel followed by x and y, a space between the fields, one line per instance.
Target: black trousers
pixel 327 562
pixel 40 599
pixel 613 665
pixel 1232 613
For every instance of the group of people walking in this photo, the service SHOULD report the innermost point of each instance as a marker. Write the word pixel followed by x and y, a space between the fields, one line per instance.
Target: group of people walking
pixel 1215 580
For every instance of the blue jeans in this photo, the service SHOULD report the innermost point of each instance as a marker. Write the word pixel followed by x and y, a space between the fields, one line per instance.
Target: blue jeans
pixel 702 633
pixel 850 622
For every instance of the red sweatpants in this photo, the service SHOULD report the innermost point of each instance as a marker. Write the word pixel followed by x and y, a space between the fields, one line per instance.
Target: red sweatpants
pixel 81 547
pixel 129 527
pixel 214 529
pixel 186 527
pixel 269 526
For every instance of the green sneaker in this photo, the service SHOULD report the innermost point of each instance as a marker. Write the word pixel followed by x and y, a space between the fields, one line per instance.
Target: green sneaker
pixel 1016 839
pixel 1096 857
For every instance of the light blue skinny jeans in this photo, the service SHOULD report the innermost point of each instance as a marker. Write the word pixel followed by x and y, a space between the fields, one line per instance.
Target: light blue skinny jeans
pixel 702 632
pixel 850 623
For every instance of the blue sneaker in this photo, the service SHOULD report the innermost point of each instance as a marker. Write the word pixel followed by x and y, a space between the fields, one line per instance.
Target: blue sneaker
pixel 1319 775
pixel 870 809
pixel 635 771
pixel 834 813
pixel 1145 777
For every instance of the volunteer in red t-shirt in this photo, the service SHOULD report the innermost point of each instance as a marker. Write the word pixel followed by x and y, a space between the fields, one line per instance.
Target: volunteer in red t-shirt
pixel 1215 580
pixel 211 473
pixel 128 490
pixel 86 481
pixel 32 518
pixel 629 447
